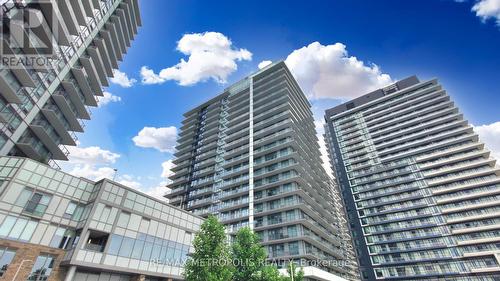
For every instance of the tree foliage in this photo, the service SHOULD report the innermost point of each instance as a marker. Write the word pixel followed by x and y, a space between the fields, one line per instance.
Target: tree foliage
pixel 250 260
pixel 211 258
pixel 248 255
pixel 245 260
pixel 298 274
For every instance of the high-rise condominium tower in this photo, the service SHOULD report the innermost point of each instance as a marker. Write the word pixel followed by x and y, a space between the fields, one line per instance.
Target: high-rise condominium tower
pixel 422 192
pixel 45 92
pixel 250 156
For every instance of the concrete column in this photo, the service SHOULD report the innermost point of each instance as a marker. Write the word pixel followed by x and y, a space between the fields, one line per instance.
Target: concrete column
pixel 250 157
pixel 71 273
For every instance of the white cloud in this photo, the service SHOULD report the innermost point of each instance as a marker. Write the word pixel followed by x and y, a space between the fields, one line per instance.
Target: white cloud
pixel 488 9
pixel 211 56
pixel 149 77
pixel 107 98
pixel 130 181
pixel 161 189
pixel 94 163
pixel 158 192
pixel 329 72
pixel 91 155
pixel 167 169
pixel 264 63
pixel 121 78
pixel 490 134
pixel 162 139
pixel 90 162
pixel 92 172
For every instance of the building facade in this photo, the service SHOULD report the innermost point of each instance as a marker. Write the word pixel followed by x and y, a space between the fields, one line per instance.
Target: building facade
pixel 250 156
pixel 421 191
pixel 42 105
pixel 54 226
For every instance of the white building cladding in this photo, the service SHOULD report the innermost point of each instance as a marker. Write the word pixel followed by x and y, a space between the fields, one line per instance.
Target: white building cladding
pixel 69 228
pixel 250 156
pixel 41 107
pixel 422 192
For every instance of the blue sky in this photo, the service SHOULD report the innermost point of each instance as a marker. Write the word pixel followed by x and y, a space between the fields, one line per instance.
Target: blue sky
pixel 378 42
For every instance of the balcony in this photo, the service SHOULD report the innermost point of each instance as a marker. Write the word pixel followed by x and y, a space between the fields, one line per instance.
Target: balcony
pixel 464 175
pixel 466 164
pixel 227 217
pixel 233 204
pixel 8 90
pixel 233 192
pixel 120 33
pixel 69 111
pixel 110 27
pixel 57 120
pixel 101 46
pixel 415 120
pixel 131 24
pixel 109 47
pixel 33 148
pixel 123 25
pixel 435 142
pixel 199 202
pixel 22 74
pixel 71 93
pixel 47 135
pixel 405 107
pixel 421 134
pixel 99 65
pixel 84 85
pixel 91 71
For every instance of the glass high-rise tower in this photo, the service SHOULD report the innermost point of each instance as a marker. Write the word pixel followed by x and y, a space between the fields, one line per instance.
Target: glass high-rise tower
pixel 421 191
pixel 43 104
pixel 250 156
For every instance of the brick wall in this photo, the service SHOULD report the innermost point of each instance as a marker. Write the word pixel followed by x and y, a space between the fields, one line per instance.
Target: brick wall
pixel 25 257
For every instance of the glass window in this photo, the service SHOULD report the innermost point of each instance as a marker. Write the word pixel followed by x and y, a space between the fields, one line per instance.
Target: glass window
pixel 42 268
pixel 18 228
pixel 156 253
pixel 28 231
pixel 137 252
pixel 126 247
pixel 170 254
pixel 105 214
pixel 292 231
pixel 293 248
pixel 70 210
pixel 37 202
pixel 7 225
pixel 67 237
pixel 146 253
pixel 77 215
pixel 123 220
pixel 58 236
pixel 24 197
pixel 6 257
pixel 163 253
pixel 114 245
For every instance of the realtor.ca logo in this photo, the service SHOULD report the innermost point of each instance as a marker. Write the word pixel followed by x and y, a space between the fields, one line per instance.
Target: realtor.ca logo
pixel 29 31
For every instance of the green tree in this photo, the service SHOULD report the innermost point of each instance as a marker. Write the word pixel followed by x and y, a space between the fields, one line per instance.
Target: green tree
pixel 298 275
pixel 250 259
pixel 211 258
pixel 248 255
pixel 271 273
